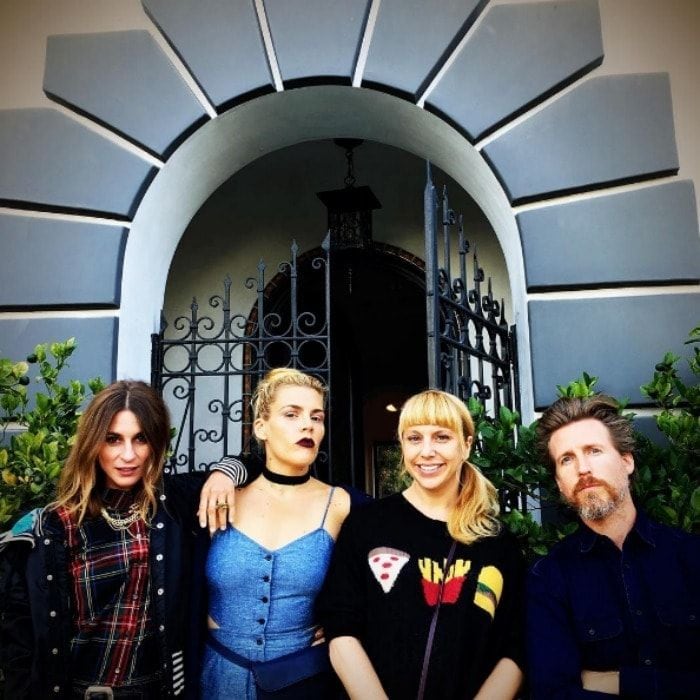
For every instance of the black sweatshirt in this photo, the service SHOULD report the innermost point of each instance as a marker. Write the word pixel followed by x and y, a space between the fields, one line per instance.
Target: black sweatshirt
pixel 382 586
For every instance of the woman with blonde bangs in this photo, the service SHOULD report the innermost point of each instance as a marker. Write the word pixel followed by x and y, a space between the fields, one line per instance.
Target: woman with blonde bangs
pixel 94 588
pixel 263 574
pixel 423 594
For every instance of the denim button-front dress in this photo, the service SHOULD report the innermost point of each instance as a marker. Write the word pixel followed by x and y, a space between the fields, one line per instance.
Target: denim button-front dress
pixel 263 602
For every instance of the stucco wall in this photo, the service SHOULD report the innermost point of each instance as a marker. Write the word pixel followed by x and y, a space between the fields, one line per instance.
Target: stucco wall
pixel 639 36
pixel 610 129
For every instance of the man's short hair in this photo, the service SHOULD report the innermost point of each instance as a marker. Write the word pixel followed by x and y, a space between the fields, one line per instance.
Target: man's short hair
pixel 571 410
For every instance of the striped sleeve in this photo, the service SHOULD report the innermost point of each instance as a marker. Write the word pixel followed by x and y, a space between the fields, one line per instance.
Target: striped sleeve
pixel 233 468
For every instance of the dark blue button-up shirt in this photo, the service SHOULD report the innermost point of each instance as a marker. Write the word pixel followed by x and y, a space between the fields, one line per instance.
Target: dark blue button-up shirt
pixel 636 610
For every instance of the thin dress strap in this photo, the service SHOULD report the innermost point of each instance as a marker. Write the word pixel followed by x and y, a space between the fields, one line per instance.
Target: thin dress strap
pixel 328 505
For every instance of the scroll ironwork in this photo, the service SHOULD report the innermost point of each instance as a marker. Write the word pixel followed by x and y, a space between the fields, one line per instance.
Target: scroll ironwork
pixel 472 349
pixel 207 366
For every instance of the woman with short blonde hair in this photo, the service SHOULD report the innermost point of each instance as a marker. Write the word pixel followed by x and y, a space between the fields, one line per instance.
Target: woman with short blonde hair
pixel 475 512
pixel 263 574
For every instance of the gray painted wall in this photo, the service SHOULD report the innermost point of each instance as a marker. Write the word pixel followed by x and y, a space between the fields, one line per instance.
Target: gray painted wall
pixel 644 236
pixel 537 48
pixel 587 139
pixel 410 38
pixel 603 130
pixel 599 336
pixel 60 263
pixel 96 338
pixel 123 80
pixel 330 50
pixel 51 161
pixel 219 41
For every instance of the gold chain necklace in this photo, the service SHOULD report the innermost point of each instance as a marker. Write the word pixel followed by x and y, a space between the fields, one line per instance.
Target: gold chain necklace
pixel 121 523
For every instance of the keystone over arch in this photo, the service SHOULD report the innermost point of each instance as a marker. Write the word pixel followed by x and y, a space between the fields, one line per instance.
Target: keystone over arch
pixel 499 96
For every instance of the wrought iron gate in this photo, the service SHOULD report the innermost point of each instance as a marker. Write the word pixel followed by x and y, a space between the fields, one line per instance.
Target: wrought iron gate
pixel 471 348
pixel 209 366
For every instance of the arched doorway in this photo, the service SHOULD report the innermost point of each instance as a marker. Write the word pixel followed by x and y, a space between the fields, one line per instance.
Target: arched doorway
pixel 250 131
pixel 377 346
pixel 546 122
pixel 378 294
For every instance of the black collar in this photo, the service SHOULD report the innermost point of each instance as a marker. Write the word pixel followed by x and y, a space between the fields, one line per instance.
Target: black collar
pixel 276 478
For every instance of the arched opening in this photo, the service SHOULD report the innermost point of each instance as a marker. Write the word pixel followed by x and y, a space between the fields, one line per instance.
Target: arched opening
pixel 249 131
pixel 378 296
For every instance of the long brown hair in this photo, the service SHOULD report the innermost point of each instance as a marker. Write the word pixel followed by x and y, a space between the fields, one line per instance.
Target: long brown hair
pixel 475 514
pixel 567 410
pixel 81 479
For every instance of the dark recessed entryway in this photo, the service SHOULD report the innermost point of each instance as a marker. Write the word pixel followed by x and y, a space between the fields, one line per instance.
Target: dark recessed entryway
pixel 378 348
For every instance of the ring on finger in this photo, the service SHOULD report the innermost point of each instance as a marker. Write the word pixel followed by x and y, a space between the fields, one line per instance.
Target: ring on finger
pixel 221 506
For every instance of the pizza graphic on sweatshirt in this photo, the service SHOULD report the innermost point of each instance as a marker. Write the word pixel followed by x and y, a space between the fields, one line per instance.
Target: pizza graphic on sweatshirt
pixel 386 564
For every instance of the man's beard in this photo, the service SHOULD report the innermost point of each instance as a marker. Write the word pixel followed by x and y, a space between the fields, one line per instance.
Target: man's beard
pixel 594 505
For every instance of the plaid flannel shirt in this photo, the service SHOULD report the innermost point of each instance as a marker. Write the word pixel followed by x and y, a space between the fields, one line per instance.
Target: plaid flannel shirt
pixel 114 642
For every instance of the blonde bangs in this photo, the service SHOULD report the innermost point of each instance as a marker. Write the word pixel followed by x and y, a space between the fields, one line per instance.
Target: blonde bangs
pixel 475 514
pixel 267 387
pixel 436 408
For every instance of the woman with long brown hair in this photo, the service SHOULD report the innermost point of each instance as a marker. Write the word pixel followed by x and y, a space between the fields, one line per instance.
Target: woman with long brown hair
pixel 423 594
pixel 94 587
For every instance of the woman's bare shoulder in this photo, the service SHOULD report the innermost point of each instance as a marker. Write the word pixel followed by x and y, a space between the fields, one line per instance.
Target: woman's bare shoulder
pixel 339 507
pixel 341 501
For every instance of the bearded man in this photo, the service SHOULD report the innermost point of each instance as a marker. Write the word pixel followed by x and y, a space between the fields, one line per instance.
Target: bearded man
pixel 613 609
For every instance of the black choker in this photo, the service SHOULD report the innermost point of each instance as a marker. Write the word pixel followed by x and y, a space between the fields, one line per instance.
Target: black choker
pixel 276 478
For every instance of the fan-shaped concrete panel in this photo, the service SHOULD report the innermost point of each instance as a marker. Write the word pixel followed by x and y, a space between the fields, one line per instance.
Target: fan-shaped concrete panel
pixel 95 338
pixel 618 339
pixel 220 43
pixel 60 263
pixel 52 161
pixel 527 51
pixel 410 38
pixel 586 139
pixel 640 237
pixel 314 38
pixel 125 81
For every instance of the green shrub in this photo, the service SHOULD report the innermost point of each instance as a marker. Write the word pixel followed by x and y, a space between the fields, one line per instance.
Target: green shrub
pixel 31 460
pixel 667 477
pixel 506 452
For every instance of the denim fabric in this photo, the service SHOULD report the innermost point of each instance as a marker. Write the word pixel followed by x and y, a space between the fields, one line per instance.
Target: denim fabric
pixel 263 601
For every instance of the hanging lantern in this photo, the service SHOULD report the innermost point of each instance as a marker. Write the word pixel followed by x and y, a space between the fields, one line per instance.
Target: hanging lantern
pixel 350 208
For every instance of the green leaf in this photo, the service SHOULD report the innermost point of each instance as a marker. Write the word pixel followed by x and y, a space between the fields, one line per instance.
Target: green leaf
pixel 695 500
pixel 31 460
